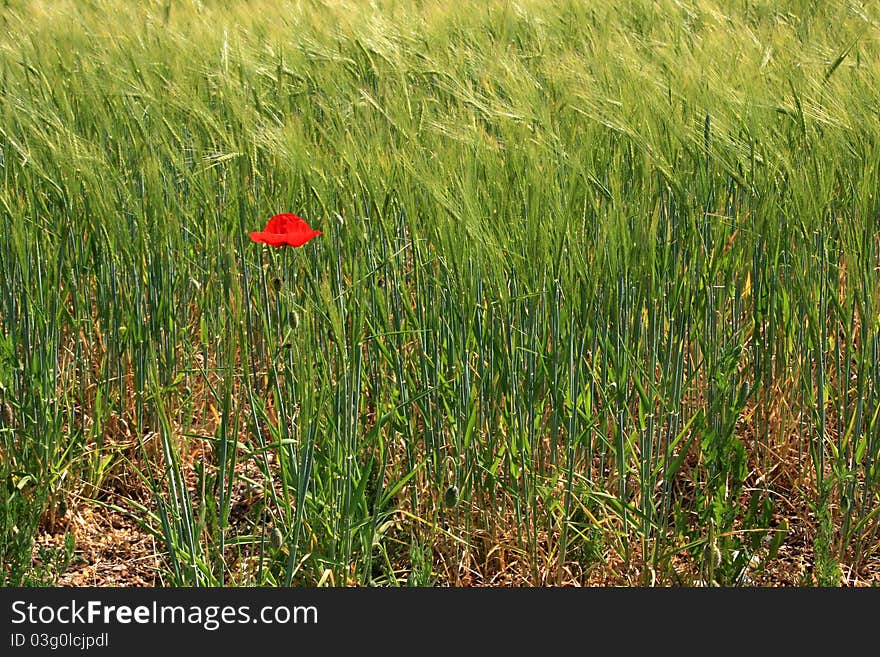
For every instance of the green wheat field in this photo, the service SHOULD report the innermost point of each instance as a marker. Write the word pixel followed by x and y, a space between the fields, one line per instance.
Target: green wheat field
pixel 596 299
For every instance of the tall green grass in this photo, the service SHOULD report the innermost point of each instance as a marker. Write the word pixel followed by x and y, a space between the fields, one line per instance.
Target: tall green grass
pixel 594 299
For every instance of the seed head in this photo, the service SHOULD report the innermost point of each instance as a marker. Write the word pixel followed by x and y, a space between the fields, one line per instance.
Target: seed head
pixel 276 540
pixel 450 497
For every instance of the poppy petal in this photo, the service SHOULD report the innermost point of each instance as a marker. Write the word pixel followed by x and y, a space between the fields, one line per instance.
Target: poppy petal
pixel 282 223
pixel 285 229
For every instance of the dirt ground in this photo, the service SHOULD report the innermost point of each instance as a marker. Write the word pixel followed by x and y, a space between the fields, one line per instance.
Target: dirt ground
pixel 111 550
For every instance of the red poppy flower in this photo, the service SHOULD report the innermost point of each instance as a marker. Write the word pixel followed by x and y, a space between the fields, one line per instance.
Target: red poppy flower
pixel 285 229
